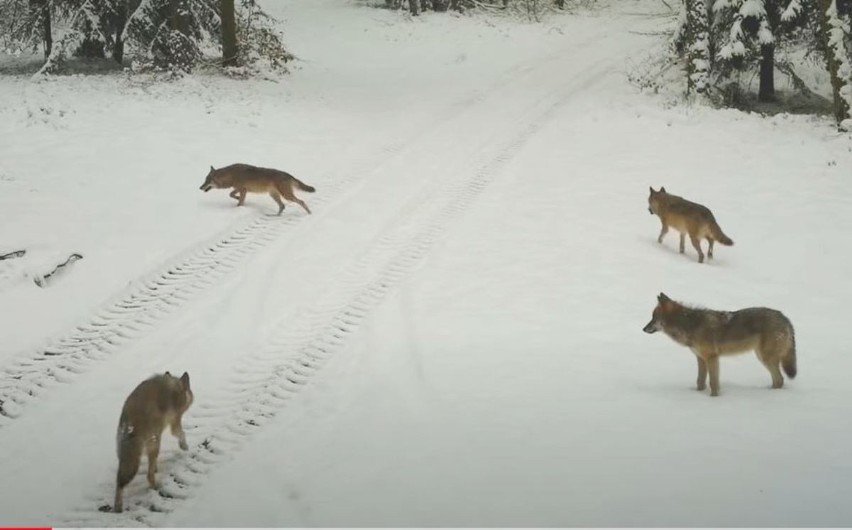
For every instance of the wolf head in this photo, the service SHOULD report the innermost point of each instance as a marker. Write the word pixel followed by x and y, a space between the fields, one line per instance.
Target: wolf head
pixel 212 181
pixel 183 384
pixel 665 306
pixel 654 199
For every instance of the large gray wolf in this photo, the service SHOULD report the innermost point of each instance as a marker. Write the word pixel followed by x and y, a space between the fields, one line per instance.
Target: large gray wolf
pixel 244 178
pixel 711 334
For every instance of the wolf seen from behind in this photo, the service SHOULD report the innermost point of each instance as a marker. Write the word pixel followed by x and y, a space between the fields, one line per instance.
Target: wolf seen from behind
pixel 688 218
pixel 155 404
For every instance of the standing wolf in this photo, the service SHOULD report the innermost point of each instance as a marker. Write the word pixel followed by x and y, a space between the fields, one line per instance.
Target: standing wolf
pixel 710 334
pixel 155 404
pixel 687 218
pixel 244 178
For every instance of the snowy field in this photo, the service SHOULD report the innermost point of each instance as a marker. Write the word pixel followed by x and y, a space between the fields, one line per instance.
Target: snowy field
pixel 454 337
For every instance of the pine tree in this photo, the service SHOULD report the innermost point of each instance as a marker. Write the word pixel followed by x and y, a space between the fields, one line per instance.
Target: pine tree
pixel 697 37
pixel 720 37
pixel 162 34
pixel 835 33
pixel 27 24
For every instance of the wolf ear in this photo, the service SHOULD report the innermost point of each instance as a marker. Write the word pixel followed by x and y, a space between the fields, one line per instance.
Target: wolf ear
pixel 662 189
pixel 662 298
pixel 184 379
pixel 212 168
pixel 652 189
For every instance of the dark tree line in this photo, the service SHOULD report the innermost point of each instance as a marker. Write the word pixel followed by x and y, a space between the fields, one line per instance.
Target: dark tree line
pixel 719 38
pixel 163 34
pixel 416 6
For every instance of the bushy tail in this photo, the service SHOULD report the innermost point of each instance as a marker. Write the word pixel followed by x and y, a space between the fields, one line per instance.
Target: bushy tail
pixel 304 187
pixel 789 361
pixel 720 236
pixel 129 448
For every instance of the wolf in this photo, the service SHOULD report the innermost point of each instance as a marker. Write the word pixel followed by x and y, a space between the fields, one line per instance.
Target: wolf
pixel 687 218
pixel 244 178
pixel 711 334
pixel 155 404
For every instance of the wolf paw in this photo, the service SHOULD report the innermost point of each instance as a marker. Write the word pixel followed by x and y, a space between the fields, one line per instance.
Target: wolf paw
pixel 183 445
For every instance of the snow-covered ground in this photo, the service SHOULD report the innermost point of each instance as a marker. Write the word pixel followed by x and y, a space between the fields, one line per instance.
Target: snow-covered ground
pixel 454 336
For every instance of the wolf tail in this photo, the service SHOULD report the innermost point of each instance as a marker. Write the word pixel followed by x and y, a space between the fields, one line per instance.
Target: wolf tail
pixel 304 187
pixel 718 235
pixel 789 361
pixel 129 448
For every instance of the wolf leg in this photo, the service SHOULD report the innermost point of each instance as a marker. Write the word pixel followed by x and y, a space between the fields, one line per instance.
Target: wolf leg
pixel 290 196
pixel 772 362
pixel 177 430
pixel 697 244
pixel 275 195
pixel 713 369
pixel 702 374
pixel 153 447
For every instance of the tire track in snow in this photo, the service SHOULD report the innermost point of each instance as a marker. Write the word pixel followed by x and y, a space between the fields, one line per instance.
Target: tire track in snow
pixel 163 292
pixel 269 382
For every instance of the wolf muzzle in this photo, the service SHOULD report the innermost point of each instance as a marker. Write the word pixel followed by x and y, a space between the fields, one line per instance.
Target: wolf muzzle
pixel 206 187
pixel 650 211
pixel 650 327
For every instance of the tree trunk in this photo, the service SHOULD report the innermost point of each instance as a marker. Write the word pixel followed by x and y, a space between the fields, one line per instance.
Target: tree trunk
pixel 120 23
pixel 48 30
pixel 767 73
pixel 834 56
pixel 41 9
pixel 90 47
pixel 414 7
pixel 229 34
pixel 178 20
pixel 696 40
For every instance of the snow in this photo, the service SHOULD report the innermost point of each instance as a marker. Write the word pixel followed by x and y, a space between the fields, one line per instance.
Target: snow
pixel 731 49
pixel 753 8
pixel 454 336
pixel 791 11
pixel 764 34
